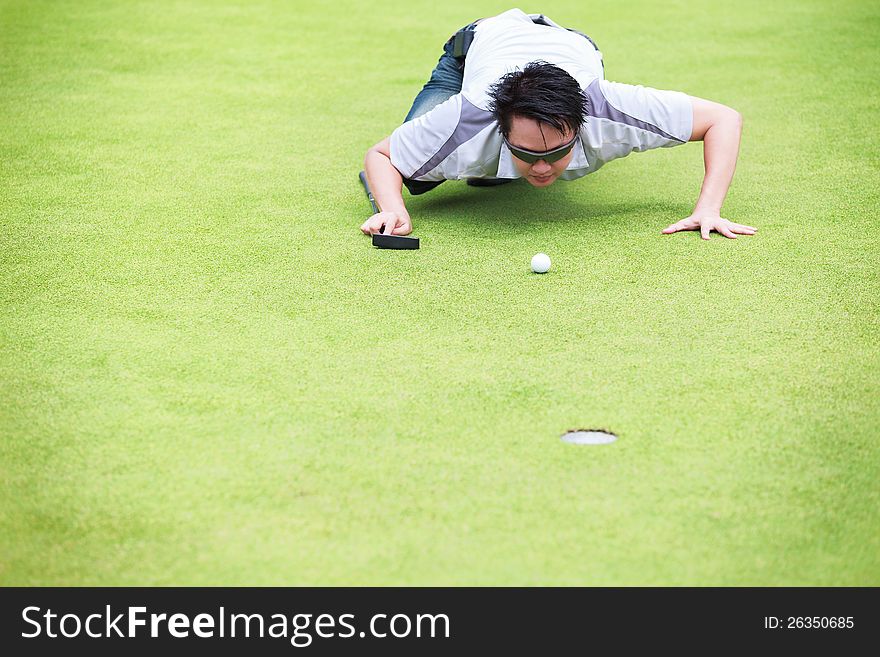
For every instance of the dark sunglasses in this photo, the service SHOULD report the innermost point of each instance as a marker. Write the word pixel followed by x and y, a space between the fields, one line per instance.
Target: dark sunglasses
pixel 530 157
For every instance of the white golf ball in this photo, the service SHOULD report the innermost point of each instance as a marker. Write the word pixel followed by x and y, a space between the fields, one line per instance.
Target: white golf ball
pixel 540 263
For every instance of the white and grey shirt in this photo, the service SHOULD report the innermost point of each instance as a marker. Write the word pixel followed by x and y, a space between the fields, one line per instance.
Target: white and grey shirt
pixel 460 139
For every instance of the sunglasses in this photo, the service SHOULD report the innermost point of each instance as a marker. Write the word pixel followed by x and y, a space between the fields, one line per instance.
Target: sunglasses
pixel 530 157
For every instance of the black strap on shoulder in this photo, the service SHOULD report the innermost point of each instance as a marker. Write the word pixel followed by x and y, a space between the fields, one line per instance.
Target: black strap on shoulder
pixel 461 42
pixel 540 20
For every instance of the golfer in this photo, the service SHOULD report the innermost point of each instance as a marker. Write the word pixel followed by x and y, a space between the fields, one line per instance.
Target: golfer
pixel 518 96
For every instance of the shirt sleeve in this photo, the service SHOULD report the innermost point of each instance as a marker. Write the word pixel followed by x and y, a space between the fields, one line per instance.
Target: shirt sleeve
pixel 632 117
pixel 415 143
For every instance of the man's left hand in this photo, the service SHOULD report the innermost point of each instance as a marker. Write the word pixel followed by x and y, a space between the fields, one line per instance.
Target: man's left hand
pixel 706 223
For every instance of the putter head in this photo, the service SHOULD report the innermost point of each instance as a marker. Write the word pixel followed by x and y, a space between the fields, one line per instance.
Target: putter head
pixel 395 241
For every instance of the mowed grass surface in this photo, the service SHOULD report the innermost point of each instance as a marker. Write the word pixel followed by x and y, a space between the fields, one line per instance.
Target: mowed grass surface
pixel 208 376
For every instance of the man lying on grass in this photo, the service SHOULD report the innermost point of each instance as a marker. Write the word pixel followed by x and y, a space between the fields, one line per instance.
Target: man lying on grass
pixel 518 96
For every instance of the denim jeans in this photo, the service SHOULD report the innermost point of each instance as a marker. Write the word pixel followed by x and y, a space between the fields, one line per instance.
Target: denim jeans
pixel 445 82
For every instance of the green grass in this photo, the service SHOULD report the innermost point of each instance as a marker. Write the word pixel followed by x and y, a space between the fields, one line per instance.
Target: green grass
pixel 207 376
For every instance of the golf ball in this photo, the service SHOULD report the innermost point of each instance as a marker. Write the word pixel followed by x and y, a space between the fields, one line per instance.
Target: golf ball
pixel 540 263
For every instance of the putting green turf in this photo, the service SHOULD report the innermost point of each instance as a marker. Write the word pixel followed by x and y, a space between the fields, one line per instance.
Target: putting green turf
pixel 208 376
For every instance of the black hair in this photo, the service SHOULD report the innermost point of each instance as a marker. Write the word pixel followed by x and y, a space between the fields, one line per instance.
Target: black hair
pixel 542 92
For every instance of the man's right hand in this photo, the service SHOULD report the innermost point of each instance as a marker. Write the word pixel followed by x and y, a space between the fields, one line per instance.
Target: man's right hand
pixel 386 184
pixel 395 224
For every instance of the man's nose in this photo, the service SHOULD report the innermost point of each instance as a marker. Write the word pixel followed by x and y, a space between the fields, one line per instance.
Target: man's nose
pixel 541 168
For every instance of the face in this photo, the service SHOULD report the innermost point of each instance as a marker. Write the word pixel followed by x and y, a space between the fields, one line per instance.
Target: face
pixel 530 135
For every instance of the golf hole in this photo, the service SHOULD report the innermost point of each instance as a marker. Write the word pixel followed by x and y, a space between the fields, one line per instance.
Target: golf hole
pixel 589 437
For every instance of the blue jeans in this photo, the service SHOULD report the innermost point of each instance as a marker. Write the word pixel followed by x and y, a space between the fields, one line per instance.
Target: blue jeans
pixel 445 82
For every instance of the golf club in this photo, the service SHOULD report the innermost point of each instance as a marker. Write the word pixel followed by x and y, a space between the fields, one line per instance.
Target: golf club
pixel 386 241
